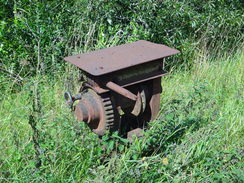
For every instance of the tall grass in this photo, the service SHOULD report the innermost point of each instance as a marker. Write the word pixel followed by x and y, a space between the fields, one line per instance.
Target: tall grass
pixel 196 138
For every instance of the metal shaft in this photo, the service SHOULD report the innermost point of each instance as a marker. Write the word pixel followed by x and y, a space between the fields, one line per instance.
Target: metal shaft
pixel 122 91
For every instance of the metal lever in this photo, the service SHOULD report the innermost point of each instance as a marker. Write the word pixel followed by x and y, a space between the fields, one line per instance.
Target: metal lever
pixel 122 91
pixel 69 99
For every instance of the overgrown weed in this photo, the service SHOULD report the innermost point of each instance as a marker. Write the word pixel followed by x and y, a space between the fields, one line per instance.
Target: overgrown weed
pixel 197 136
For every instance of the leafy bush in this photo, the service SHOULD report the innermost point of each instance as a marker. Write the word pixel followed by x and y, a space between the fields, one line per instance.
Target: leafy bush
pixel 36 35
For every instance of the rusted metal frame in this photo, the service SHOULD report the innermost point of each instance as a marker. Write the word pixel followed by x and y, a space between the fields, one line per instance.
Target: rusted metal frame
pixel 139 70
pixel 101 90
pixel 160 74
pixel 155 99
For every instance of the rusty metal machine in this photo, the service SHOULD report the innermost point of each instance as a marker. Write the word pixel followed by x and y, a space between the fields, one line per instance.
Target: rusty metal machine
pixel 121 87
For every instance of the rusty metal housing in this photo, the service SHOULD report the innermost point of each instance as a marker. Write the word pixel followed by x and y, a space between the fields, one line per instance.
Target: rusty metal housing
pixel 122 85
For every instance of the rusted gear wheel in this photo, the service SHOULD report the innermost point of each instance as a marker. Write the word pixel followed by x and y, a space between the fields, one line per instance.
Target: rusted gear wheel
pixel 97 111
pixel 110 117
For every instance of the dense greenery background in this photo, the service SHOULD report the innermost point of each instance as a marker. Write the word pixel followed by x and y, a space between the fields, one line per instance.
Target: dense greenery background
pixel 40 33
pixel 198 136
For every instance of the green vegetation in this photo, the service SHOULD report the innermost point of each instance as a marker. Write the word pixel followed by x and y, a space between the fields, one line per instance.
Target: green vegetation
pixel 37 35
pixel 198 136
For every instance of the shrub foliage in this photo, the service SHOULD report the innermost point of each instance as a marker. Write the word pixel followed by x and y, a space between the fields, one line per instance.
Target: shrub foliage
pixel 38 34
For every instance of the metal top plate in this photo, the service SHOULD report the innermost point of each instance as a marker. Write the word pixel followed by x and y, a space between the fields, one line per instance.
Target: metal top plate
pixel 112 59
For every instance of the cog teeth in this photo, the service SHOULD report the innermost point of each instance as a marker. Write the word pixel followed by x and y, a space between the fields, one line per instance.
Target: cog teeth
pixel 110 117
pixel 107 104
pixel 109 112
pixel 108 107
pixel 105 99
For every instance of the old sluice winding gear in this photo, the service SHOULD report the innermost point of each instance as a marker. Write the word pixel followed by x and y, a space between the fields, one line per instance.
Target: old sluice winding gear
pixel 121 87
